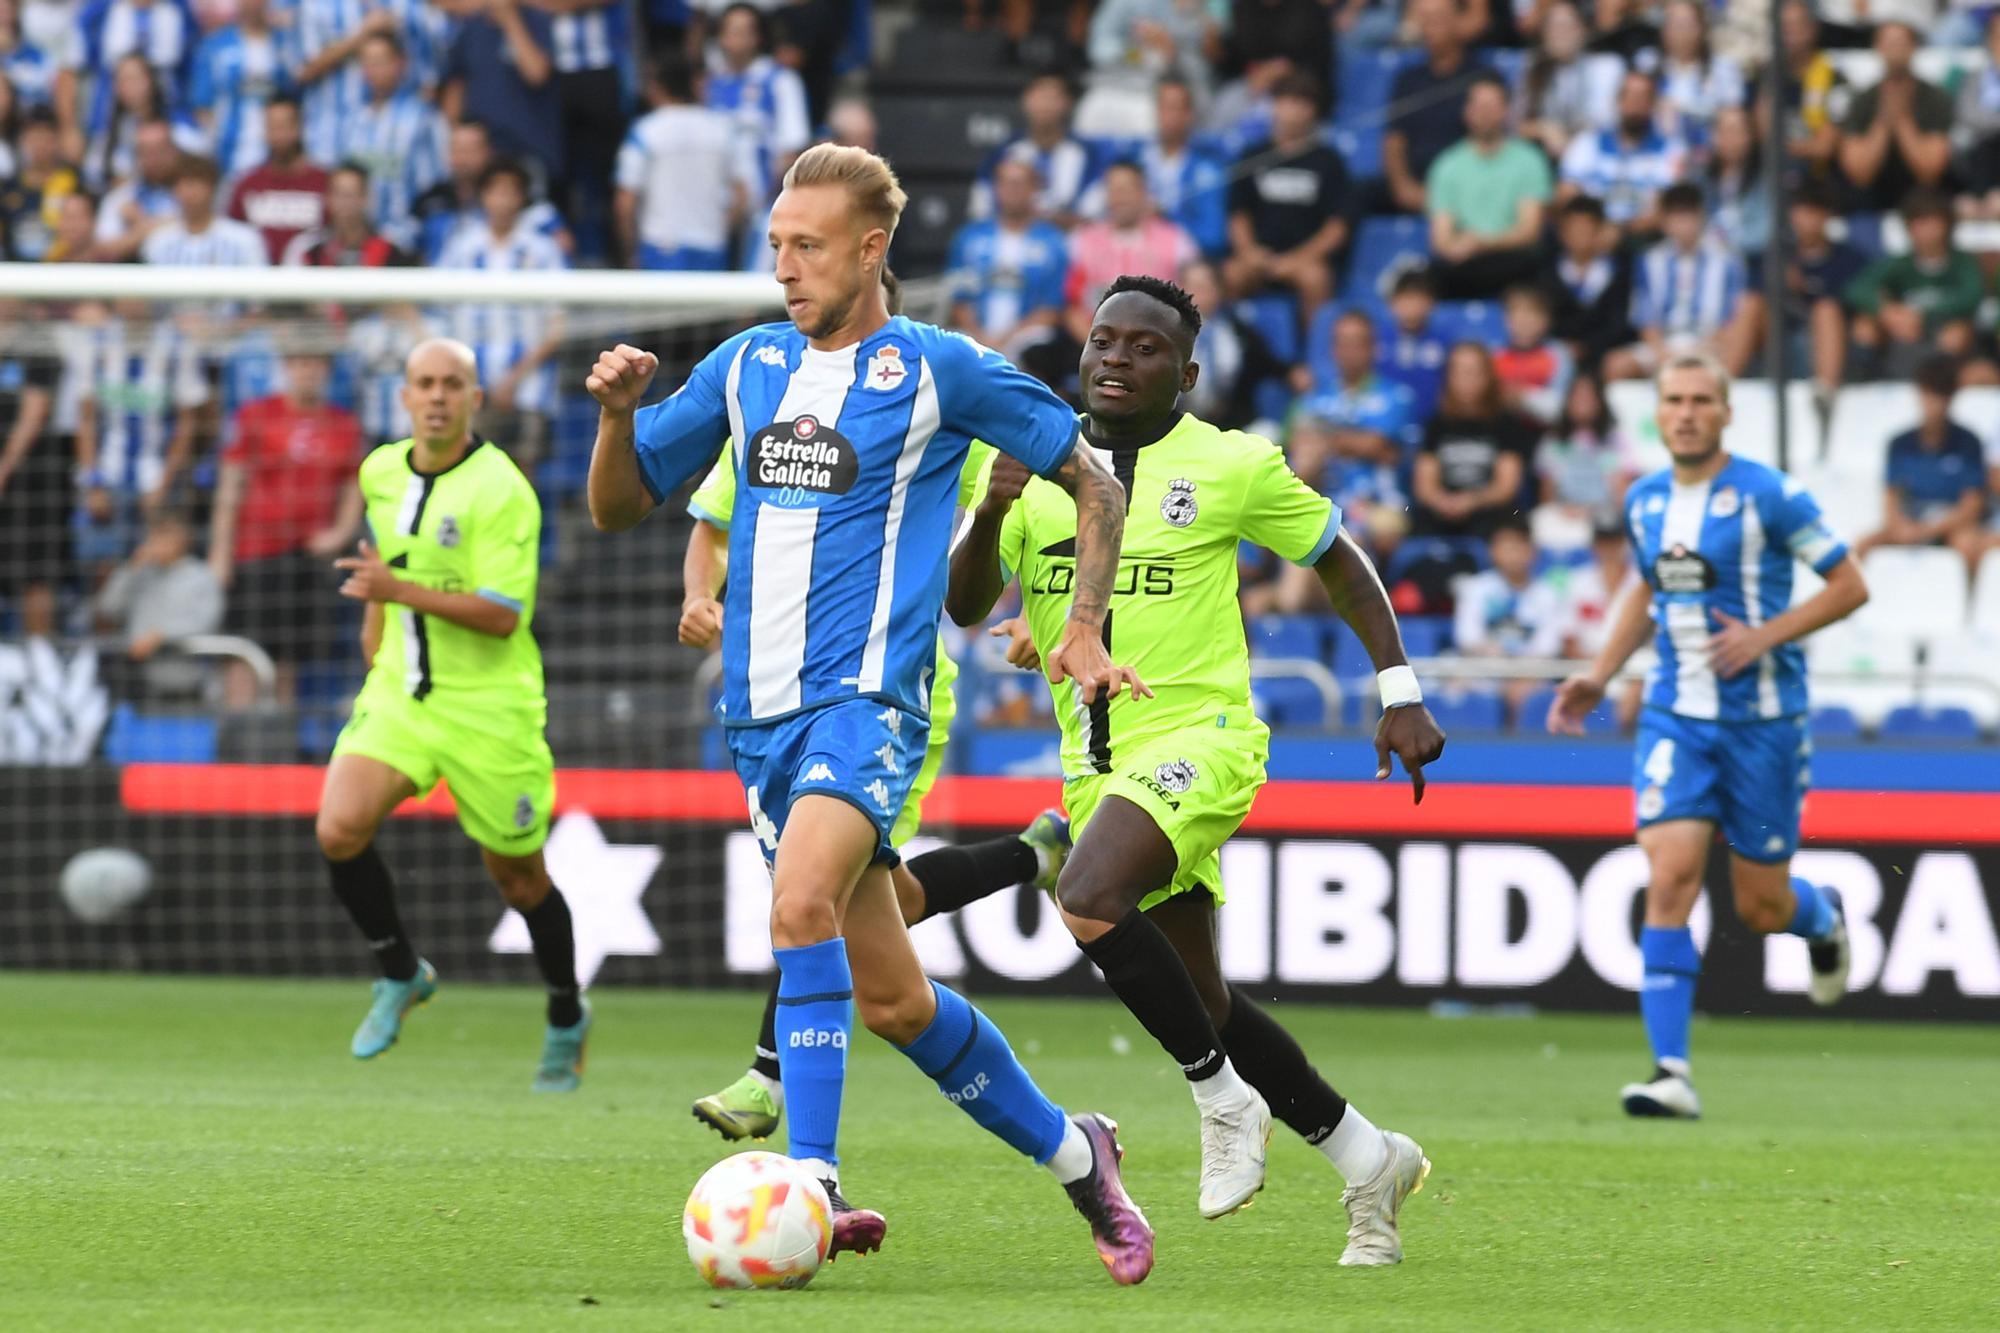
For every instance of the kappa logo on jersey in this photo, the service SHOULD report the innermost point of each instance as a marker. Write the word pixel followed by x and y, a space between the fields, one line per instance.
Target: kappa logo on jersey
pixel 886 369
pixel 1176 776
pixel 1724 502
pixel 802 457
pixel 447 531
pixel 771 355
pixel 1679 570
pixel 1177 506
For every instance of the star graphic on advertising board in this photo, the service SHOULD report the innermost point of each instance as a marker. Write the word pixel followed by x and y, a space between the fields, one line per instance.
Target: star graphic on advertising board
pixel 603 882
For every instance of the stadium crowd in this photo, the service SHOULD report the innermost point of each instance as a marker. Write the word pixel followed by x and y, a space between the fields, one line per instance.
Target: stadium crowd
pixel 1430 236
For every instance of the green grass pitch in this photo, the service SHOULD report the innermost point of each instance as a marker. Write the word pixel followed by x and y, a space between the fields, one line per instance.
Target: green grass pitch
pixel 204 1154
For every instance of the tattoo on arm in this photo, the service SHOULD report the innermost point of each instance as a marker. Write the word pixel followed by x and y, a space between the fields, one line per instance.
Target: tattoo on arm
pixel 1100 529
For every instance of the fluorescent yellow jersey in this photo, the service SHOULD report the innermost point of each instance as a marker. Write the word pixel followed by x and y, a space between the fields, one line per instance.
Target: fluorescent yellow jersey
pixel 475 527
pixel 715 502
pixel 1193 495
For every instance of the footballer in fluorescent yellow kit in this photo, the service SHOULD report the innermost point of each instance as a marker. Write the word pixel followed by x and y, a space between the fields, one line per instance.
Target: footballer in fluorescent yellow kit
pixel 454 692
pixel 1156 783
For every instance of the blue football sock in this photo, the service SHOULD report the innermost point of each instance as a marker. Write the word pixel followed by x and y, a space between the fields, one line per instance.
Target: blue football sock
pixel 815 1007
pixel 1813 917
pixel 1666 995
pixel 965 1055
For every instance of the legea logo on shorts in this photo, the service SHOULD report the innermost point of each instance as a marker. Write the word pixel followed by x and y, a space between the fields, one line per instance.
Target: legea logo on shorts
pixel 801 459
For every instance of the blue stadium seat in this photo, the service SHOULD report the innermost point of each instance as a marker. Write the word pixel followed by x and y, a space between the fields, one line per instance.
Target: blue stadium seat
pixel 1342 651
pixel 1533 715
pixel 1382 245
pixel 1272 400
pixel 1833 723
pixel 1287 701
pixel 1318 353
pixel 1472 321
pixel 1864 233
pixel 1275 316
pixel 1426 636
pixel 1468 712
pixel 1913 722
pixel 1287 636
pixel 1419 549
pixel 1360 148
pixel 1364 81
pixel 135 738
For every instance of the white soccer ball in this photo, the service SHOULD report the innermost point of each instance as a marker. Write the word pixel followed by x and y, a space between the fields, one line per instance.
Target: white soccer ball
pixel 104 881
pixel 757 1220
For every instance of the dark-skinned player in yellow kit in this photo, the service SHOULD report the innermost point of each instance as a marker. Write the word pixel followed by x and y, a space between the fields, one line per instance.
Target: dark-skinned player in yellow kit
pixel 1155 786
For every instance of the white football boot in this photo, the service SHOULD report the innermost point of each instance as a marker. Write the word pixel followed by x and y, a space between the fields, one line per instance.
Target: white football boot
pixel 1372 1206
pixel 1831 957
pixel 1668 1095
pixel 1232 1155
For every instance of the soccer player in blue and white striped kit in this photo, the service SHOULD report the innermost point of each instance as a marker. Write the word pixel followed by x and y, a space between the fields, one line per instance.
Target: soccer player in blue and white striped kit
pixel 849 430
pixel 1723 738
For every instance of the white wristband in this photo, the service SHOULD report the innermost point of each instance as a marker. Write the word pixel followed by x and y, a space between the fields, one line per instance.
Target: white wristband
pixel 1399 687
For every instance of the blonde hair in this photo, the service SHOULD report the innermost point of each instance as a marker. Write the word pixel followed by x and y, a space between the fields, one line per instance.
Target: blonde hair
pixel 871 182
pixel 1696 359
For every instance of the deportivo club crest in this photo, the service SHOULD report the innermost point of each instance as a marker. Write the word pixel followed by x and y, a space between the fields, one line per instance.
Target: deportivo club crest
pixel 1177 506
pixel 447 531
pixel 1178 775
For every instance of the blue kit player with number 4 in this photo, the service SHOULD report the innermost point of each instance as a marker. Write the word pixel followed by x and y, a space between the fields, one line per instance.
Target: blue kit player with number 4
pixel 1723 739
pixel 849 429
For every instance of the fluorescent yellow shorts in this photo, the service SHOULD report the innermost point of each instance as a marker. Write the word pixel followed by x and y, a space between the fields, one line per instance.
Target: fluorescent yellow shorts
pixel 501 774
pixel 1197 785
pixel 944 707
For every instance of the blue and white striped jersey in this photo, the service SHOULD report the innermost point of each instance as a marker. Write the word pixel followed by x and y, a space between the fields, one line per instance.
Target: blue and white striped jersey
pixel 1725 545
pixel 425 30
pixel 402 144
pixel 163 31
pixel 139 380
pixel 235 77
pixel 32 74
pixel 768 102
pixel 847 467
pixel 224 242
pixel 594 38
pixel 1688 295
pixel 501 335
pixel 1071 176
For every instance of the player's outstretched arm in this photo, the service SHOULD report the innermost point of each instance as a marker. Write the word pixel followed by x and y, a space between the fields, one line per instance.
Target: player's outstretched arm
pixel 1082 655
pixel 1407 729
pixel 1631 626
pixel 1737 646
pixel 617 491
pixel 976 577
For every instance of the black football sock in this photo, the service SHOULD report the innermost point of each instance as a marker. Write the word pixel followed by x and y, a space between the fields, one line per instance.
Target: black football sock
pixel 1145 973
pixel 766 1062
pixel 955 876
pixel 553 935
pixel 368 892
pixel 1270 1061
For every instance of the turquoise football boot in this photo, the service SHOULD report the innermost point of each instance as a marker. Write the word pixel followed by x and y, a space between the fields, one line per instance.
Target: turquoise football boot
pixel 393 1000
pixel 561 1069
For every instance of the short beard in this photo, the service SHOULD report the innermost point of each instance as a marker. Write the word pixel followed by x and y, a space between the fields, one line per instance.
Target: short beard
pixel 834 317
pixel 1683 460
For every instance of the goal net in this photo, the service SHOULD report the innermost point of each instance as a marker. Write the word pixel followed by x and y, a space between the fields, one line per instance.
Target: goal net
pixel 176 659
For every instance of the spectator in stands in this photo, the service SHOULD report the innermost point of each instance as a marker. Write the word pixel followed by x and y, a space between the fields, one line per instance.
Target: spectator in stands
pixel 594 51
pixel 142 396
pixel 454 201
pixel 1626 167
pixel 1428 102
pixel 497 71
pixel 851 122
pixel 35 467
pixel 1144 39
pixel 1815 95
pixel 146 199
pixel 1565 91
pixel 331 37
pixel 1351 438
pixel 286 503
pixel 1898 132
pixel 1976 109
pixel 1695 82
pixel 1233 356
pixel 1505 611
pixel 136 98
pixel 200 235
pixel 1534 367
pixel 685 178
pixel 396 134
pixel 1007 272
pixel 1908 305
pixel 1268 39
pixel 1413 351
pixel 75 241
pixel 1691 291
pixel 162 33
pixel 1474 453
pixel 1487 194
pixel 31 202
pixel 283 196
pixel 1288 207
pixel 1591 281
pixel 1583 467
pixel 1589 591
pixel 1739 205
pixel 766 99
pixel 1624 28
pixel 1936 492
pixel 516 345
pixel 346 240
pixel 1187 176
pixel 30 67
pixel 1131 238
pixel 1818 272
pixel 1068 167
pixel 239 68
pixel 157 598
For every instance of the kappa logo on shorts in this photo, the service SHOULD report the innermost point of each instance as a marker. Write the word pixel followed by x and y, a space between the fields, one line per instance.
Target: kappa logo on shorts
pixel 524 811
pixel 818 773
pixel 880 791
pixel 447 531
pixel 1176 776
pixel 887 754
pixel 893 720
pixel 771 355
pixel 1774 844
pixel 1177 506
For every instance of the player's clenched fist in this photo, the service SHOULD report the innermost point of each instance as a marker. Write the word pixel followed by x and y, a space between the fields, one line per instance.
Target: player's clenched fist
pixel 621 376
